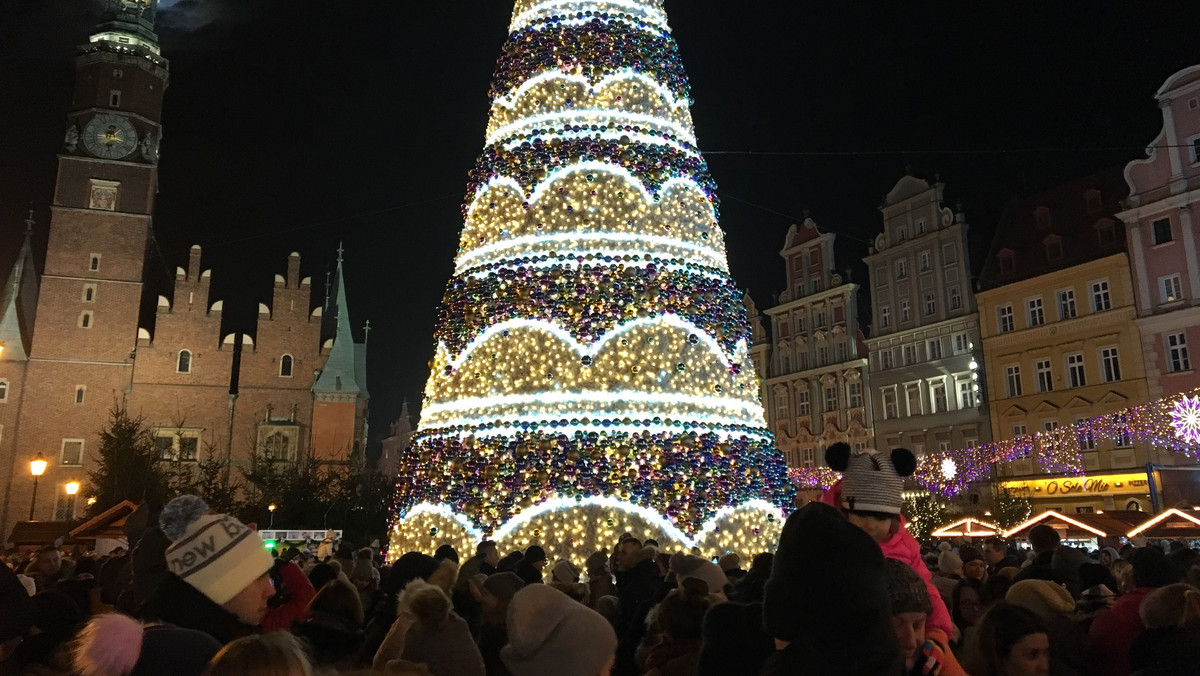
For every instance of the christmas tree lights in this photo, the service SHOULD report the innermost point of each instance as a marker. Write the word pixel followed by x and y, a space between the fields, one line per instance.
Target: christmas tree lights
pixel 592 369
pixel 1169 424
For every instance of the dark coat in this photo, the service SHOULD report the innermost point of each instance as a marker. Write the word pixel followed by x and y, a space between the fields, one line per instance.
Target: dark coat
pixel 335 642
pixel 179 603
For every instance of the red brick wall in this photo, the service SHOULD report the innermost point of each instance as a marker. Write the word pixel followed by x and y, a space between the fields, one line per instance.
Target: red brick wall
pixel 333 429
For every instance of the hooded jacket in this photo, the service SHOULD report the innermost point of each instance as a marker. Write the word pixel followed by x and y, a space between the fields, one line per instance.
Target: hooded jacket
pixel 179 603
pixel 904 547
pixel 550 634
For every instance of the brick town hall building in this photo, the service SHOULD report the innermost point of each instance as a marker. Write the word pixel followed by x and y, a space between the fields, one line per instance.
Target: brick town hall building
pixel 73 343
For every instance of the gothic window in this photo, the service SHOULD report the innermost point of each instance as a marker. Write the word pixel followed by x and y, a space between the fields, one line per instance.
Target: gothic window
pixel 279 441
pixel 3 391
pixel 184 362
pixel 80 393
pixel 94 262
pixel 277 447
pixel 285 366
pixel 85 319
pixel 89 293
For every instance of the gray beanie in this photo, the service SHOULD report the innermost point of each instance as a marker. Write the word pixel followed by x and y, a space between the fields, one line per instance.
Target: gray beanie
pixel 906 589
pixel 949 562
pixel 550 634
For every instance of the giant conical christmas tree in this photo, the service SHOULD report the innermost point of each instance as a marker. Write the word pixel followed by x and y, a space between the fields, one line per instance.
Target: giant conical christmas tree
pixel 592 363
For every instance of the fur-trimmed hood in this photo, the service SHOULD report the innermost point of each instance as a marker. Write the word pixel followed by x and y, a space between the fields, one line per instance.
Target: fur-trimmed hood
pixel 426 603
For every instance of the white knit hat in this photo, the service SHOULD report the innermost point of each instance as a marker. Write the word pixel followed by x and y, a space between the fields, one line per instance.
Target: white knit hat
pixel 215 553
pixel 871 481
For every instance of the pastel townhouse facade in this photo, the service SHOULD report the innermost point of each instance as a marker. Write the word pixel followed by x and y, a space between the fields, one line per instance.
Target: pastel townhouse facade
pixel 924 345
pixel 1060 342
pixel 815 389
pixel 1161 215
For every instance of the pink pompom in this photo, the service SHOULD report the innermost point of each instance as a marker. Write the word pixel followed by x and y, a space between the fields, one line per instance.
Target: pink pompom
pixel 109 645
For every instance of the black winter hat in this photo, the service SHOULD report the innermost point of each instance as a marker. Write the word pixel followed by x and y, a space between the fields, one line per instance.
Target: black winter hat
pixel 827 596
pixel 534 554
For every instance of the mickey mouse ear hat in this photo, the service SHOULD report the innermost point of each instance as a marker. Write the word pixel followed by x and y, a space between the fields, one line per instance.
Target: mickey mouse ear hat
pixel 871 481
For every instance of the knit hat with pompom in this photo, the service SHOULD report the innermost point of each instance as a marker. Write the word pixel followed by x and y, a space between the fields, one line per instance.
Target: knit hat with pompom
pixel 215 553
pixel 113 644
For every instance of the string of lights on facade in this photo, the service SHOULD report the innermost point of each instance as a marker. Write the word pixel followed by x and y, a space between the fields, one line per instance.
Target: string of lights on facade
pixel 1171 424
pixel 591 373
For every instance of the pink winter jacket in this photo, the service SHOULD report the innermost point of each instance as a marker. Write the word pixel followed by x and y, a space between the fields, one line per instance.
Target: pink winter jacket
pixel 904 547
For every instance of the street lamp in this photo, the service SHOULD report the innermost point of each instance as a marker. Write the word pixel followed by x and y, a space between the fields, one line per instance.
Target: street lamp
pixel 271 509
pixel 37 467
pixel 71 487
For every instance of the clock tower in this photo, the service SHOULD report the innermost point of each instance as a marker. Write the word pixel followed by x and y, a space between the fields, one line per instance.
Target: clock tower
pixel 86 324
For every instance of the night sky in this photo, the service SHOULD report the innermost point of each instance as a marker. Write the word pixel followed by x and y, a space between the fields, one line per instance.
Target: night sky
pixel 294 124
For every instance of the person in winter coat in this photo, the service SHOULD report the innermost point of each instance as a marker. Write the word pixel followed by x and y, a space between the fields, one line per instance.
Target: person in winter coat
pixel 925 650
pixel 1113 631
pixel 218 581
pixel 600 582
pixel 364 576
pixel 680 617
pixel 45 647
pixel 1055 607
pixel 1012 641
pixel 1045 541
pixel 869 494
pixel 486 558
pixel 293 593
pixel 407 568
pixel 114 644
pixel 495 594
pixel 428 631
pixel 638 582
pixel 531 565
pixel 733 640
pixel 551 635
pixel 334 626
pixel 998 556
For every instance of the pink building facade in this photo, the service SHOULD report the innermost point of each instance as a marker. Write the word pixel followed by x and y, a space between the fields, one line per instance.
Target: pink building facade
pixel 1162 216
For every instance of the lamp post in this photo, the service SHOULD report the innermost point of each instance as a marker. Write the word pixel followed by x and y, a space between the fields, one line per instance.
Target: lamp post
pixel 271 509
pixel 37 467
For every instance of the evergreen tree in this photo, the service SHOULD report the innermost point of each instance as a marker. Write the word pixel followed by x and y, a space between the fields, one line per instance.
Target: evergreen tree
pixel 1009 509
pixel 127 466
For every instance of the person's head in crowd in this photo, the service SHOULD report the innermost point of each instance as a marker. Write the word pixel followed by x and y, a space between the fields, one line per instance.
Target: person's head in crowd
pixel 551 635
pixel 1185 558
pixel 321 574
pixel 872 483
pixel 219 556
pixel 681 614
pixel 995 549
pixel 1169 606
pixel 910 608
pixel 497 590
pixel 628 552
pixel 411 566
pixel 576 591
pixel 564 571
pixel 1043 598
pixel 761 564
pixel 1152 568
pixel 973 565
pixel 950 563
pixel 1122 571
pixel 535 556
pixel 650 542
pixel 445 575
pixel 1043 539
pixel 341 600
pixel 1107 556
pixel 1066 562
pixel 274 654
pixel 84 567
pixel 510 561
pixel 489 551
pixel 597 564
pixel 729 562
pixel 1009 641
pixel 446 553
pixel 609 607
pixel 1094 575
pixel 48 562
pixel 113 644
pixel 968 601
pixel 345 550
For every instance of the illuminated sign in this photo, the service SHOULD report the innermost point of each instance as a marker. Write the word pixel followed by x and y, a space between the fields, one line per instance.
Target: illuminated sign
pixel 1112 484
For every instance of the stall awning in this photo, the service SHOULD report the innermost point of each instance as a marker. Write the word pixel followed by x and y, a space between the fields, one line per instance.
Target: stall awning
pixel 106 525
pixel 968 527
pixel 1082 526
pixel 27 533
pixel 1171 524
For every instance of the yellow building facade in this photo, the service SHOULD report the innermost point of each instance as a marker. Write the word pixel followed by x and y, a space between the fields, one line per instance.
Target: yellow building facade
pixel 1059 348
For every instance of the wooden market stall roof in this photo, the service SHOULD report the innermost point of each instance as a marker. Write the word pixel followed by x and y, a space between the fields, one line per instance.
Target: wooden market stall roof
pixel 969 527
pixel 107 524
pixel 28 533
pixel 1083 526
pixel 1171 524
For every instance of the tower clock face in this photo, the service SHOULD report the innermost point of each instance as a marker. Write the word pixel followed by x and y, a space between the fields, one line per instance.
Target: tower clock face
pixel 110 136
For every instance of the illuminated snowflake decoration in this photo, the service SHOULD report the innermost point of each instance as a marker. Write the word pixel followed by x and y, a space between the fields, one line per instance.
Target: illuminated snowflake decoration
pixel 1185 419
pixel 949 468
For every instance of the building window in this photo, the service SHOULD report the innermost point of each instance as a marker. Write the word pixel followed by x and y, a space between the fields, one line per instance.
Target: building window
pixel 1054 250
pixel 902 268
pixel 841 351
pixel 85 319
pixel 3 391
pixel 1066 304
pixel 1171 288
pixel 901 233
pixel 920 224
pixel 803 405
pixel 80 393
pixel 939 398
pixel 966 395
pixel 955 298
pixel 800 324
pixel 1122 439
pixel 1110 364
pixel 1195 150
pixel 881 278
pixel 885 360
pixel 961 344
pixel 781 405
pixel 1004 318
pixel 1007 262
pixel 930 305
pixel 904 310
pixel 935 348
pixel 89 293
pixel 285 366
pixel 1049 425
pixel 1012 380
pixel 822 355
pixel 809 458
pixel 184 363
pixel 804 359
pixel 1106 233
pixel 814 257
pixel 819 319
pixel 1075 371
pixel 1037 315
pixel 1161 230
pixel 910 355
pixel 800 289
pixel 1083 432
pixel 943 447
pixel 177 444
pixel 1045 377
pixel 855 392
pixel 1101 300
pixel 889 404
pixel 913 394
pixel 114 98
pixel 94 262
pixel 831 398
pixel 1177 352
pixel 1019 430
pixel 948 254
pixel 785 362
pixel 72 451
pixel 923 261
pixel 278 441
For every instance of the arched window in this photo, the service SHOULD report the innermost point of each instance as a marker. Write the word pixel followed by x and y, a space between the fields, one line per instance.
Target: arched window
pixel 1133 506
pixel 277 447
pixel 184 365
pixel 285 366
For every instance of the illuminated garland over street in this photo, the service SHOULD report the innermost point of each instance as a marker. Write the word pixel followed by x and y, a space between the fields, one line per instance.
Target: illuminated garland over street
pixel 592 357
pixel 1171 424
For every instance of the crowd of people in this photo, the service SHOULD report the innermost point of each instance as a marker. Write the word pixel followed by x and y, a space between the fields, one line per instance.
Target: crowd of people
pixel 847 591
